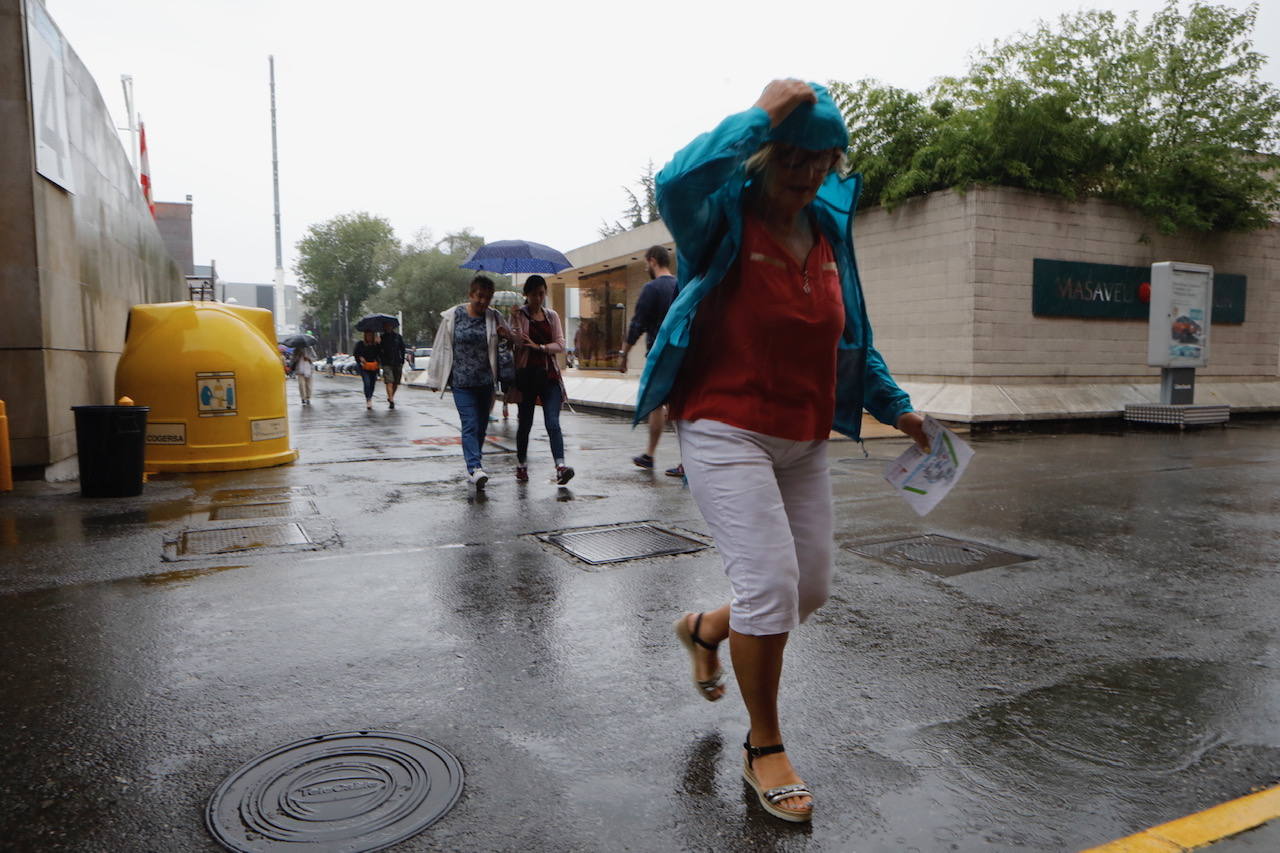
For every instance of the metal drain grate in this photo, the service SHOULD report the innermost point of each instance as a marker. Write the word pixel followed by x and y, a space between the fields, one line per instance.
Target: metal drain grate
pixel 941 555
pixel 228 540
pixel 622 543
pixel 349 791
pixel 280 509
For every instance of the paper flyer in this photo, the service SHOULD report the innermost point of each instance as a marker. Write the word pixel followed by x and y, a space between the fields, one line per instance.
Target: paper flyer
pixel 923 479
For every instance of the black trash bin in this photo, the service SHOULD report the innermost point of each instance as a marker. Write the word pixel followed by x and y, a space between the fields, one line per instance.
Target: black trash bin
pixel 111 441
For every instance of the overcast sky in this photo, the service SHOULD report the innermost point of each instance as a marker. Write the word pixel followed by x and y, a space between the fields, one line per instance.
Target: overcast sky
pixel 518 119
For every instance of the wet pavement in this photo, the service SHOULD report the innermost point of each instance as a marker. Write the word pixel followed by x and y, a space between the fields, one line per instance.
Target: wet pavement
pixel 1124 677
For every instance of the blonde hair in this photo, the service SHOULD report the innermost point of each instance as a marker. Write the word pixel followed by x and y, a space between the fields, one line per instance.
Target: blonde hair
pixel 766 153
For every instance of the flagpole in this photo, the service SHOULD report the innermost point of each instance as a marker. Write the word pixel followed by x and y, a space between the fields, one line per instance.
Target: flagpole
pixel 126 83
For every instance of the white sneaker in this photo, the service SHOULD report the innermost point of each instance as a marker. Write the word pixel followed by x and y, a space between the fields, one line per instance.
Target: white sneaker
pixel 479 477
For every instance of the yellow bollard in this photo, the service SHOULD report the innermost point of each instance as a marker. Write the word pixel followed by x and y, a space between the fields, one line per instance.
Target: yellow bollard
pixel 6 457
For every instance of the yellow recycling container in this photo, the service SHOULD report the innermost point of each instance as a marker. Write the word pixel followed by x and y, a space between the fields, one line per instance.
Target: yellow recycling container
pixel 214 381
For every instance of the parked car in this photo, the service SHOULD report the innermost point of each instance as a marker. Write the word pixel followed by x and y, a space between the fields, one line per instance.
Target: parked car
pixel 419 357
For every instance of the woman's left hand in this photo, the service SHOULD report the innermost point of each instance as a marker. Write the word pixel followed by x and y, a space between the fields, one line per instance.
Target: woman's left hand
pixel 912 424
pixel 527 341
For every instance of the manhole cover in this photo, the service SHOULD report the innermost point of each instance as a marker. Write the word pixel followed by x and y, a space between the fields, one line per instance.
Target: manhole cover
pixel 347 791
pixel 231 539
pixel 279 509
pixel 618 544
pixel 941 555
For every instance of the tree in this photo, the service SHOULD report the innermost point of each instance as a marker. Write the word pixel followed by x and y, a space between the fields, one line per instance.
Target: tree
pixel 1169 118
pixel 427 280
pixel 637 212
pixel 341 263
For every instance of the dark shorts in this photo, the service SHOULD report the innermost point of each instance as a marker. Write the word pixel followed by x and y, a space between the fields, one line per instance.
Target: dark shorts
pixel 391 373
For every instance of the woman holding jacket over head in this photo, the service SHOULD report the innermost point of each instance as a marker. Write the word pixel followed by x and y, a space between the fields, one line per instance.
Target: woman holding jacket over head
pixel 766 349
pixel 539 337
pixel 464 357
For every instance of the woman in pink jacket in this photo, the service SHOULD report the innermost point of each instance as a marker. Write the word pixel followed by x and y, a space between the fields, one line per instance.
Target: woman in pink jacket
pixel 538 336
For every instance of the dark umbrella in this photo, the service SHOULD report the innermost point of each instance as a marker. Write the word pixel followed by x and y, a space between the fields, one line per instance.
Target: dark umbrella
pixel 296 341
pixel 376 323
pixel 508 256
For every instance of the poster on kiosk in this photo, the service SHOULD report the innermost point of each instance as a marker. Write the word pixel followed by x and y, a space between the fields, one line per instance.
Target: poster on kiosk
pixel 1181 305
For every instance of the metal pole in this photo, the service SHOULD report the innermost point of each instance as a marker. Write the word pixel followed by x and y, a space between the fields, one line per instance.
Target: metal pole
pixel 275 183
pixel 126 83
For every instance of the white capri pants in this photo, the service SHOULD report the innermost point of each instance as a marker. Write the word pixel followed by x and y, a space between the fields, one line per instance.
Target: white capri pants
pixel 768 503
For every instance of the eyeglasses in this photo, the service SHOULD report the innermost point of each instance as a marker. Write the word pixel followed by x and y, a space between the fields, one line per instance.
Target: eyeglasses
pixel 799 158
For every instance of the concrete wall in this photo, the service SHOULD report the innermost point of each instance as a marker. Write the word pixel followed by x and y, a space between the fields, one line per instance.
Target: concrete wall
pixel 72 264
pixel 917 265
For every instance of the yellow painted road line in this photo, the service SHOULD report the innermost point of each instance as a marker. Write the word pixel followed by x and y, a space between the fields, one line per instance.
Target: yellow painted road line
pixel 1202 828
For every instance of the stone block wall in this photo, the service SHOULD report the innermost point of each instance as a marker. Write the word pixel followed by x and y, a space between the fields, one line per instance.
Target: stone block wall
pixel 948 282
pixel 916 266
pixel 1011 228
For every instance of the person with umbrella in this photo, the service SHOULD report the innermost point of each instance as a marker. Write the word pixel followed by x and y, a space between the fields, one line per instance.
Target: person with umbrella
pixel 514 256
pixel 368 354
pixel 540 336
pixel 302 364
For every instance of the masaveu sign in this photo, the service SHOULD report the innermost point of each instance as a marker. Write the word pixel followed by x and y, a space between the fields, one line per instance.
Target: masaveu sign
pixel 1076 289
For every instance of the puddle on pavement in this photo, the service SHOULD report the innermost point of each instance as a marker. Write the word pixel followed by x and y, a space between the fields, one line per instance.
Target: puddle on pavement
pixel 1151 717
pixel 181 575
pixel 1136 732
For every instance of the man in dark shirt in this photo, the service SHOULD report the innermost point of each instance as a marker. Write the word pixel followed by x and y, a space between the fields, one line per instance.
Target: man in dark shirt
pixel 392 361
pixel 651 310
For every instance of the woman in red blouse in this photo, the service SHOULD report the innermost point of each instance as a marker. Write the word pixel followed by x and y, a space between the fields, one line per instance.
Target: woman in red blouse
pixel 755 397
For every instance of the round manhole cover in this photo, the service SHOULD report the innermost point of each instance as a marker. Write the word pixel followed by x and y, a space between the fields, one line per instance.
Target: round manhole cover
pixel 348 791
pixel 940 554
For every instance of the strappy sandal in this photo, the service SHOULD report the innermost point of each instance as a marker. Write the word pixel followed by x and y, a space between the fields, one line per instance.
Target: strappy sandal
pixel 707 689
pixel 771 797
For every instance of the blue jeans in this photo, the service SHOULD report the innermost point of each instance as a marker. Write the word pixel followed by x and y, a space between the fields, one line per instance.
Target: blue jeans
pixel 552 398
pixel 370 380
pixel 473 410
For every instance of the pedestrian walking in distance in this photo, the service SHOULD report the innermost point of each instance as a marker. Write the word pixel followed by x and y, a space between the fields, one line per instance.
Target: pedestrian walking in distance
pixel 651 309
pixel 539 337
pixel 465 358
pixel 392 361
pixel 764 351
pixel 303 368
pixel 368 354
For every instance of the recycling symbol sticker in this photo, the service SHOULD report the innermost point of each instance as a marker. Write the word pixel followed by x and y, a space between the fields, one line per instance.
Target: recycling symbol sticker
pixel 216 393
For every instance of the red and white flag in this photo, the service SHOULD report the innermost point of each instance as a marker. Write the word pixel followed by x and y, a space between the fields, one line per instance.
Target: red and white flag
pixel 146 167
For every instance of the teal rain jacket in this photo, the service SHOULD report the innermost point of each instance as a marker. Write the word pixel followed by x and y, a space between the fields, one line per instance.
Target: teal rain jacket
pixel 700 200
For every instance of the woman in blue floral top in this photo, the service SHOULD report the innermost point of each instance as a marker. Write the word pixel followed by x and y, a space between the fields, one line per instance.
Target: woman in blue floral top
pixel 465 358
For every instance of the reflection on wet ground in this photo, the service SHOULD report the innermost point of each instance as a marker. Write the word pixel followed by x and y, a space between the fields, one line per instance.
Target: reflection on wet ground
pixel 1129 674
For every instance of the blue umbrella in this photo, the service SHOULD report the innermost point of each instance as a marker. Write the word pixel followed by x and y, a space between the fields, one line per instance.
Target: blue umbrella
pixel 508 256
